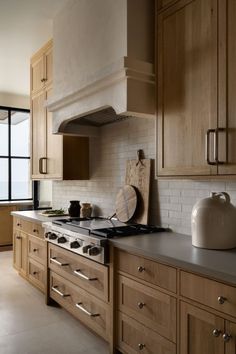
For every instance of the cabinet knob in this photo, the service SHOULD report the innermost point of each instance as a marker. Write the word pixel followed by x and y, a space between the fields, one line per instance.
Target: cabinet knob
pixel 36 231
pixel 34 273
pixel 18 237
pixel 141 269
pixel 35 249
pixel 141 304
pixel 18 224
pixel 43 80
pixel 216 332
pixel 226 337
pixel 221 300
pixel 141 346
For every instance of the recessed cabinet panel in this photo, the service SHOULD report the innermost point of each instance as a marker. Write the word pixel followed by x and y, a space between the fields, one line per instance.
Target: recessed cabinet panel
pixel 187 87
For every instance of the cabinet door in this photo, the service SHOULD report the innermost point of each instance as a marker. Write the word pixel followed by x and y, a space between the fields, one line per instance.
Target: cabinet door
pixel 54 148
pixel 187 87
pixel 230 346
pixel 6 225
pixel 227 87
pixel 24 254
pixel 37 74
pixel 196 331
pixel 38 126
pixel 16 249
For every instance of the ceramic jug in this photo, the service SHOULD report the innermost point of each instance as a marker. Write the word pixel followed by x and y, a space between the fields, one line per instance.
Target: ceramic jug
pixel 213 222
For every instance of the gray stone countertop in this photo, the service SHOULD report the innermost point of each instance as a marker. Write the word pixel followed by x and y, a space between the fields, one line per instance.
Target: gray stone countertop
pixel 34 216
pixel 177 250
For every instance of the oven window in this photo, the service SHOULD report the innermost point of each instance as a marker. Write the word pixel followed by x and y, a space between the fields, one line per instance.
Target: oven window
pixel 15 183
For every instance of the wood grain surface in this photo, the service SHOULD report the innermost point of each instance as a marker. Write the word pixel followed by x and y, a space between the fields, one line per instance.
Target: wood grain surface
pixel 138 175
pixel 126 203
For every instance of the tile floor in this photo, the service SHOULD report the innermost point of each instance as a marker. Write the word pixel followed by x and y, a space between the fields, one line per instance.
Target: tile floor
pixel 28 326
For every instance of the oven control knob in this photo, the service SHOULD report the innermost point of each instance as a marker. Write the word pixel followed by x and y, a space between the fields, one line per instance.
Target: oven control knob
pixel 74 244
pixel 94 251
pixel 86 248
pixel 47 234
pixel 52 236
pixel 61 239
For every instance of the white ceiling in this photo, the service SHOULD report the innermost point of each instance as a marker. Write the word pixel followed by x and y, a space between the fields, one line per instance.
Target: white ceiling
pixel 25 25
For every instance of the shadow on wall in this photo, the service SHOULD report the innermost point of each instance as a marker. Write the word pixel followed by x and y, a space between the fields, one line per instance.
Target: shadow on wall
pixel 154 203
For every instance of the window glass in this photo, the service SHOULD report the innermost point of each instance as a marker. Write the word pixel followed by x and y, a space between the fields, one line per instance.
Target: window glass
pixel 3 178
pixel 3 132
pixel 21 187
pixel 20 134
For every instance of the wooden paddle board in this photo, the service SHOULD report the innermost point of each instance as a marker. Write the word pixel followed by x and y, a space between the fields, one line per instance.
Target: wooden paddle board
pixel 126 203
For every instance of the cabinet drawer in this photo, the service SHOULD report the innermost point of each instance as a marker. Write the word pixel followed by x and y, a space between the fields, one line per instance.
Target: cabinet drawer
pixel 36 230
pixel 89 275
pixel 150 271
pixel 37 274
pixel 152 308
pixel 21 224
pixel 87 308
pixel 37 249
pixel 134 338
pixel 219 296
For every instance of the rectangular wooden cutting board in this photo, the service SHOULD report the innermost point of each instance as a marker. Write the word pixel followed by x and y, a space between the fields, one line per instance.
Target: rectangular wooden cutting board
pixel 138 175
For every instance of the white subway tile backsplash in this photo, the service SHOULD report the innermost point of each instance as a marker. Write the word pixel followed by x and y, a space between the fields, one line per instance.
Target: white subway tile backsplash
pixel 171 201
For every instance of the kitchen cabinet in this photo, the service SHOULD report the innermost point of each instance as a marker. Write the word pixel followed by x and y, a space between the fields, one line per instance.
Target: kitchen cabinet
pixel 6 225
pixel 30 251
pixel 196 78
pixel 52 156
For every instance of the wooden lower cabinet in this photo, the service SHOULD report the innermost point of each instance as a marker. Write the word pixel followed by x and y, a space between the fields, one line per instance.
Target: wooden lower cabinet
pixel 6 225
pixel 133 338
pixel 20 253
pixel 196 331
pixel 37 274
pixel 230 329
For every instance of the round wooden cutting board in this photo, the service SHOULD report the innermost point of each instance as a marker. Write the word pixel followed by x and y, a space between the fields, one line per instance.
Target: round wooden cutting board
pixel 126 203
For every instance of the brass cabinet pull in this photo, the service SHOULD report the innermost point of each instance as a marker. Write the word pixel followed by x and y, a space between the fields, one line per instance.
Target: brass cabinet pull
pixel 18 224
pixel 81 275
pixel 141 346
pixel 35 249
pixel 34 273
pixel 216 147
pixel 216 332
pixel 42 166
pixel 54 288
pixel 35 230
pixel 226 337
pixel 141 305
pixel 81 308
pixel 207 147
pixel 18 237
pixel 54 260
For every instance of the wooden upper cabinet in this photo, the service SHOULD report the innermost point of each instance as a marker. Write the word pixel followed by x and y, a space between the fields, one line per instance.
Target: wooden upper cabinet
pixel 41 68
pixel 187 87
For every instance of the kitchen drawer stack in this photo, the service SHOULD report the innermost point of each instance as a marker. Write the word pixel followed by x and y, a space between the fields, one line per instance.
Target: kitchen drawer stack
pixel 146 305
pixel 81 287
pixel 29 251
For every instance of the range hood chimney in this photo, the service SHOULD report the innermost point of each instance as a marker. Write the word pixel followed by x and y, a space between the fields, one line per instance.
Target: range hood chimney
pixel 103 64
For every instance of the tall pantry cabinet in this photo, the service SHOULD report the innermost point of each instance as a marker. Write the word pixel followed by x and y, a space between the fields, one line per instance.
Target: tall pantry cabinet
pixel 196 78
pixel 53 156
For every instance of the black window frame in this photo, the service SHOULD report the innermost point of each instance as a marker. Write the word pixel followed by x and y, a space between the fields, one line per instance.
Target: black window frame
pixel 10 156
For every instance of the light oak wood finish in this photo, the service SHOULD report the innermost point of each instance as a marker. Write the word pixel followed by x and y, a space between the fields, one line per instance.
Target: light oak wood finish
pixel 211 293
pixel 36 229
pixel 126 203
pixel 98 273
pixel 53 156
pixel 21 224
pixel 69 295
pixel 144 269
pixel 37 249
pixel 197 328
pixel 36 274
pixel 132 337
pixel 187 86
pixel 138 175
pixel 20 254
pixel 148 306
pixel 6 228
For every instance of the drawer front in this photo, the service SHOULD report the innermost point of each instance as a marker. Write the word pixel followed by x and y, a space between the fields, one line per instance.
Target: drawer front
pixel 135 338
pixel 89 275
pixel 219 296
pixel 37 249
pixel 36 230
pixel 21 224
pixel 148 306
pixel 37 274
pixel 152 272
pixel 87 308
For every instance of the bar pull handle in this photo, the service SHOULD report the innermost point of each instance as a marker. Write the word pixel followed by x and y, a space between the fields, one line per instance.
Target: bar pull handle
pixel 43 165
pixel 81 275
pixel 81 308
pixel 207 147
pixel 54 288
pixel 54 260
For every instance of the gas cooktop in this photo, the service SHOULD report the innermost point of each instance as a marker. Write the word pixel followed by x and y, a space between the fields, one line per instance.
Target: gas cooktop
pixel 103 227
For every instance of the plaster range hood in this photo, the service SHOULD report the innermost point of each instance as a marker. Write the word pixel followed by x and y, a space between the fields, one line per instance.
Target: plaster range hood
pixel 103 64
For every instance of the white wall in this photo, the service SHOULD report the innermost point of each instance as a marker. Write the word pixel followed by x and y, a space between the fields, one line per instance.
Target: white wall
pixel 171 200
pixel 16 101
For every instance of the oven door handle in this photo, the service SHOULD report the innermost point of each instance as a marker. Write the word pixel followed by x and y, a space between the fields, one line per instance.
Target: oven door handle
pixel 81 308
pixel 54 260
pixel 81 275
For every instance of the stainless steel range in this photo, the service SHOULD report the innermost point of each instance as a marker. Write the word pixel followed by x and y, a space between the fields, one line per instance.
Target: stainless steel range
pixel 89 236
